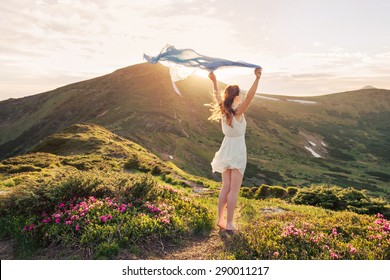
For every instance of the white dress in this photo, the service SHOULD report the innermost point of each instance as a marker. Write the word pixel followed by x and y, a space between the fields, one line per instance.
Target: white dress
pixel 232 153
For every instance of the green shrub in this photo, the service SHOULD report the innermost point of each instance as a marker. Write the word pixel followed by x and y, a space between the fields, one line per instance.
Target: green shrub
pixel 291 191
pixel 336 198
pixel 107 250
pixel 245 192
pixel 262 192
pixel 156 170
pixel 277 192
pixel 132 163
pixel 139 186
pixel 22 168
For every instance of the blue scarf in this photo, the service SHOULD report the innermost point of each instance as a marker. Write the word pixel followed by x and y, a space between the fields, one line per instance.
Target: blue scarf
pixel 179 58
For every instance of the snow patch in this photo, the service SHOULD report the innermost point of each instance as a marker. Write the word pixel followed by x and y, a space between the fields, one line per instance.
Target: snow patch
pixel 312 143
pixel 323 144
pixel 302 101
pixel 170 157
pixel 312 152
pixel 268 98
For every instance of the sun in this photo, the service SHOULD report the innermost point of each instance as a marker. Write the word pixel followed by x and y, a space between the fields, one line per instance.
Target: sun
pixel 223 75
pixel 235 75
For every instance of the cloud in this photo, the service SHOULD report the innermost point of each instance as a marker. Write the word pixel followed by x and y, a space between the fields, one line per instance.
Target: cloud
pixel 42 39
pixel 97 37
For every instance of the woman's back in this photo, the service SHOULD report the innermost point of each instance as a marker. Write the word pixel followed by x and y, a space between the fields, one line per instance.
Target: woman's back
pixel 238 129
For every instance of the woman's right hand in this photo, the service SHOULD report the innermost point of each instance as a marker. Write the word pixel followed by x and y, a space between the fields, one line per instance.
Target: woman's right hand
pixel 212 77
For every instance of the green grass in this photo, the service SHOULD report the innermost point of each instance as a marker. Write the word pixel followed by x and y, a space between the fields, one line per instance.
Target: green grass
pixel 303 232
pixel 111 196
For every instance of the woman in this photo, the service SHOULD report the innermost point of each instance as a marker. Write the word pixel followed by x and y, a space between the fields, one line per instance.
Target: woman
pixel 230 160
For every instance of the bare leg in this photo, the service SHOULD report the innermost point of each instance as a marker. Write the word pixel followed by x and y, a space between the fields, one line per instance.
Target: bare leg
pixel 223 197
pixel 235 184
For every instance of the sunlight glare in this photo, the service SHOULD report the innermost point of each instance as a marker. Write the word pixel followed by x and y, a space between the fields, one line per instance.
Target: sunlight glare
pixel 226 75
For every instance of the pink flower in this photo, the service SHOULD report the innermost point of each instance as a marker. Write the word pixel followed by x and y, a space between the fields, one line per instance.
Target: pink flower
pixel 334 255
pixel 123 208
pixel 379 215
pixel 61 205
pixel 275 254
pixel 58 221
pixel 353 250
pixel 103 219
pixel 77 227
pixel 166 221
pixel 68 222
pixel 379 221
pixel 313 239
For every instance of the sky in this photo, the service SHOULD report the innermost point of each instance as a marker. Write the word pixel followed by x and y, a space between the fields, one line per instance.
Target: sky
pixel 306 47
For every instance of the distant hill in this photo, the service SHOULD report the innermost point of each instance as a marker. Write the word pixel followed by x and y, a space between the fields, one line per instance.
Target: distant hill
pixel 337 139
pixel 87 147
pixel 369 87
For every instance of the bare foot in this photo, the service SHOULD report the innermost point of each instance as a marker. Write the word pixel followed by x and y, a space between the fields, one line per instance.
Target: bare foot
pixel 222 226
pixel 230 227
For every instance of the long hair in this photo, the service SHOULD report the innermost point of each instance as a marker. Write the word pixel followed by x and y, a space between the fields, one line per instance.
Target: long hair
pixel 225 108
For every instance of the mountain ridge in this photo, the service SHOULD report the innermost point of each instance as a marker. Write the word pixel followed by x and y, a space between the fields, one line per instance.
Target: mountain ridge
pixel 139 103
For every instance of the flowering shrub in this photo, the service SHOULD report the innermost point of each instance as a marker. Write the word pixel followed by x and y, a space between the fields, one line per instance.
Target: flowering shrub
pixel 298 234
pixel 101 218
pixel 92 220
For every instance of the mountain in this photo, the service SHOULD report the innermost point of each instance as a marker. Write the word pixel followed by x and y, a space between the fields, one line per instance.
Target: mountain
pixel 87 193
pixel 369 87
pixel 337 139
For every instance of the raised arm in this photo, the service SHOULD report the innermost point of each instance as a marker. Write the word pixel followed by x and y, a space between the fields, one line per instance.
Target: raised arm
pixel 251 93
pixel 215 87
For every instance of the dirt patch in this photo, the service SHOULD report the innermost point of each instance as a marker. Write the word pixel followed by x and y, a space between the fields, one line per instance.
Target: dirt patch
pixel 272 210
pixel 6 249
pixel 197 248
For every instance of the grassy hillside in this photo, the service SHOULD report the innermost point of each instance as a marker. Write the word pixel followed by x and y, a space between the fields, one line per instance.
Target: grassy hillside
pixel 349 130
pixel 86 193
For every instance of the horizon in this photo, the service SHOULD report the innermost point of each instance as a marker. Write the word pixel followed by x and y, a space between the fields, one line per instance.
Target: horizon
pixel 201 74
pixel 304 47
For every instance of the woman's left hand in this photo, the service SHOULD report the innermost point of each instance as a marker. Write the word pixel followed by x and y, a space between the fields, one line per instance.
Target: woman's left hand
pixel 258 72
